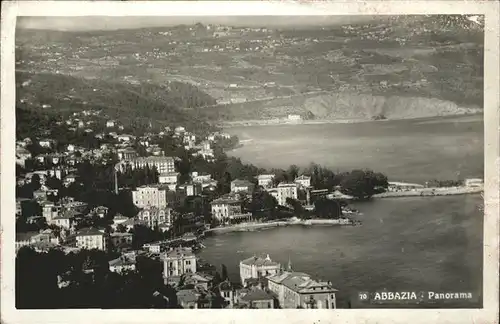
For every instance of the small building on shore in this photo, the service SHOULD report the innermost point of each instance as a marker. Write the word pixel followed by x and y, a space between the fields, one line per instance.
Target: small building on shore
pixel 474 182
pixel 403 186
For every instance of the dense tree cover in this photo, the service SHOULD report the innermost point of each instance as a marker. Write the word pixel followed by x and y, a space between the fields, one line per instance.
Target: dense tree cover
pixel 144 103
pixel 38 272
pixel 133 178
pixel 327 208
pixel 363 184
pixel 444 183
pixel 144 234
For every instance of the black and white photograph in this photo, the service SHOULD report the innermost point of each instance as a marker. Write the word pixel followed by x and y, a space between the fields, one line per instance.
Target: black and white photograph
pixel 250 162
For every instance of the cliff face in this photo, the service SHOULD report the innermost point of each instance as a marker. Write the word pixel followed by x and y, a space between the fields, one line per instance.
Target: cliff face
pixel 366 106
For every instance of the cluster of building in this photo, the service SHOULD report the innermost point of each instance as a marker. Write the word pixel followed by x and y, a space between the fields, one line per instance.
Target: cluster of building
pixel 264 284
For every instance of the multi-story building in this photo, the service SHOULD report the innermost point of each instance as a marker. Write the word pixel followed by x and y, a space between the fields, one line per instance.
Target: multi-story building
pixel 35 239
pixel 50 211
pixel 65 219
pixel 265 180
pixel 177 262
pixel 304 181
pixel 150 195
pixel 127 154
pixel 227 208
pixel 284 191
pixel 299 290
pixel 154 216
pixel 191 189
pixel 91 238
pixel 257 267
pixel 121 239
pixel 163 164
pixel 169 179
pixel 242 186
pixel 122 264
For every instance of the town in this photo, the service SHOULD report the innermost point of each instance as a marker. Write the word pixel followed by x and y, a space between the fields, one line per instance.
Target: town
pixel 127 198
pixel 125 204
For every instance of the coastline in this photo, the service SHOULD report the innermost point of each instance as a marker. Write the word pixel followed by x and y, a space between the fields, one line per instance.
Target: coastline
pixel 249 227
pixel 431 192
pixel 282 121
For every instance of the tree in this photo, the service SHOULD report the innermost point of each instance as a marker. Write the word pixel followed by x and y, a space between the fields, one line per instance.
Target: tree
pixel 363 184
pixel 224 275
pixel 327 208
pixel 296 205
pixel 292 172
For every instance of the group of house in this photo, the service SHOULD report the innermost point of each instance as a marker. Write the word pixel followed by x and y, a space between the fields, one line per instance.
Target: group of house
pixel 264 284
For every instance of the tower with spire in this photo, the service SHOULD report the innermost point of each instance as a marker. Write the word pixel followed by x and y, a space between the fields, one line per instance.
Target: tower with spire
pixel 289 267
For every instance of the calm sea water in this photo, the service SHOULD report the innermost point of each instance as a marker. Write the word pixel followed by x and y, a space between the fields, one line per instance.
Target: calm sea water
pixel 405 243
pixel 407 150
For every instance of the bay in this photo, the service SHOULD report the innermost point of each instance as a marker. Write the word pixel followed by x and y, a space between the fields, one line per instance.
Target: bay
pixel 404 244
pixel 417 150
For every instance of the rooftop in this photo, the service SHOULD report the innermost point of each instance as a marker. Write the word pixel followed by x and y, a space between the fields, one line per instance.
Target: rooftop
pixel 179 253
pixel 286 184
pixel 122 261
pixel 225 200
pixel 20 237
pixel 120 217
pixel 260 261
pixel 300 282
pixel 241 183
pixel 187 295
pixel 89 231
pixel 256 294
pixel 152 159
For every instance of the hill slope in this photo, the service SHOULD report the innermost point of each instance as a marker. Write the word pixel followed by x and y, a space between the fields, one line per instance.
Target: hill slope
pixel 126 102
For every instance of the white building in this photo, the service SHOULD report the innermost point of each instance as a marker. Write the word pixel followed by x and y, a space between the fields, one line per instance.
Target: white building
pixel 154 216
pixel 122 264
pixel 241 186
pixel 304 181
pixel 91 238
pixel 294 117
pixel 265 180
pixel 65 220
pixel 177 262
pixel 150 195
pixel 297 289
pixel 257 267
pixel 228 209
pixel 110 123
pixel 170 179
pixel 163 164
pixel 225 207
pixel 474 182
pixel 284 191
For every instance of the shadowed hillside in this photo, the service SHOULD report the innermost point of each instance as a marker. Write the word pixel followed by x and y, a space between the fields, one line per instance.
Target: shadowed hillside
pixel 369 106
